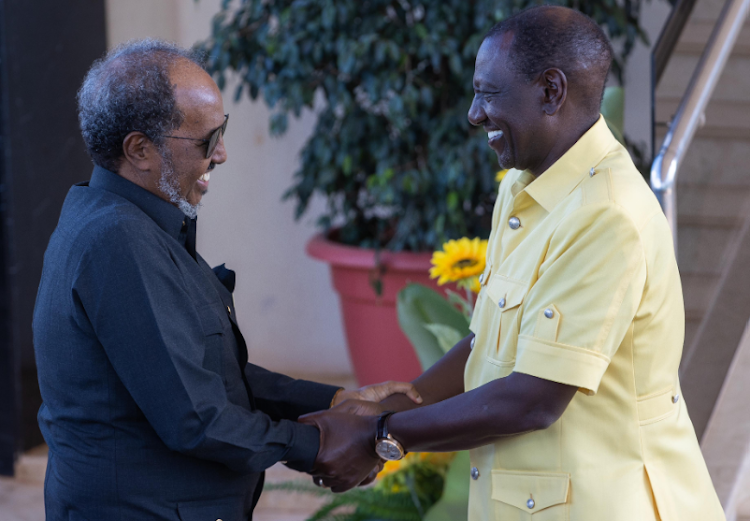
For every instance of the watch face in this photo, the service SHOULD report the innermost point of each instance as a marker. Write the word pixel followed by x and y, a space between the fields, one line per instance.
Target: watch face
pixel 388 450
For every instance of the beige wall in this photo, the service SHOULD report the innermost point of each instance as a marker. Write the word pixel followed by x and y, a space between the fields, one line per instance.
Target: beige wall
pixel 287 309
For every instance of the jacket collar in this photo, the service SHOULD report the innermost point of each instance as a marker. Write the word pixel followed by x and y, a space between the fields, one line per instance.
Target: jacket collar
pixel 167 216
pixel 559 180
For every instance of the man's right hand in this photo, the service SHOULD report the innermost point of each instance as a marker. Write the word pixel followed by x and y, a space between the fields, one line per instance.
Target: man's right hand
pixel 347 448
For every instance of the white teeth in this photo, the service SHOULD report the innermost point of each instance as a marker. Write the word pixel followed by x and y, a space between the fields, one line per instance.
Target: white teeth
pixel 494 133
pixel 205 177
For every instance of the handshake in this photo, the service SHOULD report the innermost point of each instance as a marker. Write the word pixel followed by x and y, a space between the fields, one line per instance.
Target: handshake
pixel 346 457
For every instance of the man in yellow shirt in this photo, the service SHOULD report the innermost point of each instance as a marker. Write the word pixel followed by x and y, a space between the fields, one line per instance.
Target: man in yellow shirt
pixel 567 391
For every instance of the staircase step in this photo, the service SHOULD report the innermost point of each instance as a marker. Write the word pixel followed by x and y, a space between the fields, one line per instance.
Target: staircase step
pixel 701 248
pixel 711 205
pixel 733 85
pixel 715 161
pixel 723 117
pixel 698 290
pixel 697 32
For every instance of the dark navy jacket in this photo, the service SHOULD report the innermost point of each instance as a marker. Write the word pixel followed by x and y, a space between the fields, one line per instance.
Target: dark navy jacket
pixel 147 411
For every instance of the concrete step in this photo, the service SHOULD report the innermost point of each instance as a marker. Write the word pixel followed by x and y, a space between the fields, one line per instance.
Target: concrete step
pixel 733 84
pixel 711 205
pixel 697 290
pixel 701 249
pixel 697 32
pixel 724 118
pixel 712 160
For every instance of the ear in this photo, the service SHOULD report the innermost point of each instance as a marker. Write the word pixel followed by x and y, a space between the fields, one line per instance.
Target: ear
pixel 140 152
pixel 555 86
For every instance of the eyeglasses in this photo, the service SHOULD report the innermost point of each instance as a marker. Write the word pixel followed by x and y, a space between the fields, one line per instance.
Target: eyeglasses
pixel 212 141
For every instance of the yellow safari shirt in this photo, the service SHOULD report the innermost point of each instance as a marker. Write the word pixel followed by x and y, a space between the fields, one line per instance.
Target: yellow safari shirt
pixel 581 287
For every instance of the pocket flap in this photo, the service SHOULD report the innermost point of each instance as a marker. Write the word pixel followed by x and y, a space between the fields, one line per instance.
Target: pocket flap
pixel 545 489
pixel 210 321
pixel 505 291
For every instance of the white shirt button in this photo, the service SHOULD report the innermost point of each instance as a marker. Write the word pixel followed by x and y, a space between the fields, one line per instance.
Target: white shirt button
pixel 531 504
pixel 474 473
pixel 481 278
pixel 514 223
pixel 473 341
pixel 549 313
pixel 502 302
pixel 675 398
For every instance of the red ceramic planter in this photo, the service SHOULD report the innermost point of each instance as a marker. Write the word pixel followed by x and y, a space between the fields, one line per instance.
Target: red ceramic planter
pixel 379 350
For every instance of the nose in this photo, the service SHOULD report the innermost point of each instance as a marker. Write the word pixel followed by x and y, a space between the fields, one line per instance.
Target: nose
pixel 220 153
pixel 476 115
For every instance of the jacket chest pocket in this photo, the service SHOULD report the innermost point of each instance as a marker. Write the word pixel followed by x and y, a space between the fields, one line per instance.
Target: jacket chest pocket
pixel 505 298
pixel 530 496
pixel 218 356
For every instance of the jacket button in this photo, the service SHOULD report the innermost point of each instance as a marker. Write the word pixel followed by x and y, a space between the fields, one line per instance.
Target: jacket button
pixel 514 223
pixel 229 310
pixel 531 504
pixel 474 473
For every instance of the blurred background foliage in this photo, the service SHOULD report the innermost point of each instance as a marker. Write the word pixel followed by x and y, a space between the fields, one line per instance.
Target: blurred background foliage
pixel 391 81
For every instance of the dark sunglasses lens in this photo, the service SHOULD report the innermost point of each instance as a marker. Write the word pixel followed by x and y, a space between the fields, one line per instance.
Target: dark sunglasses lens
pixel 213 142
pixel 215 137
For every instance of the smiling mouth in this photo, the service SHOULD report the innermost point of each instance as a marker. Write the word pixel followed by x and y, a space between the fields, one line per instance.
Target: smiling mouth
pixel 205 177
pixel 492 134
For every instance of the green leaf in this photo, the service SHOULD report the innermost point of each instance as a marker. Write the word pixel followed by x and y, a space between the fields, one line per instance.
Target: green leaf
pixel 613 110
pixel 454 504
pixel 447 336
pixel 418 306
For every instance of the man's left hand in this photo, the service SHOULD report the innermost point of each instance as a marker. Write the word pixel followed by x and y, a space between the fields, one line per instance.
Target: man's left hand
pixel 378 392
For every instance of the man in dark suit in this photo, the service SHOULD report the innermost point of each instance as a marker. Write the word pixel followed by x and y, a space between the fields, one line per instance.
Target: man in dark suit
pixel 151 410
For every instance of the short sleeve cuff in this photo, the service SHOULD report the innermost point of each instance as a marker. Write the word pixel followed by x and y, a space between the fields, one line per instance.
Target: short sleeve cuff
pixel 560 363
pixel 304 448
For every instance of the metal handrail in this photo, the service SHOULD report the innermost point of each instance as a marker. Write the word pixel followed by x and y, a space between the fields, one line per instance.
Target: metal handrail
pixel 669 36
pixel 691 112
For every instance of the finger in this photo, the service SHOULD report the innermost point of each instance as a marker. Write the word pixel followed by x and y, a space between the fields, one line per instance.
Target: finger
pixel 310 418
pixel 372 476
pixel 342 487
pixel 389 388
pixel 323 482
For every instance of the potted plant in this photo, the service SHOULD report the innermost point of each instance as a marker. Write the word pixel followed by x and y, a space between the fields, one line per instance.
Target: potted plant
pixel 392 151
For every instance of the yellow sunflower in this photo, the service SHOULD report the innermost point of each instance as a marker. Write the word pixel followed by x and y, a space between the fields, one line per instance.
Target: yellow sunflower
pixel 459 260
pixel 500 174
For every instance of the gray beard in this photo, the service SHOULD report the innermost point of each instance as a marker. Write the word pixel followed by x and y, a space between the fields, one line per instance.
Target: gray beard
pixel 169 185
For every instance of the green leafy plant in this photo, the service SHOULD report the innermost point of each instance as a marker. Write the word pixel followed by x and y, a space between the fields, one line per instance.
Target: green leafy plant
pixel 392 151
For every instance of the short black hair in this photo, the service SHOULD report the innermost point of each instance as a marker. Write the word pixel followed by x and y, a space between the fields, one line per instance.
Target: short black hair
pixel 553 36
pixel 129 90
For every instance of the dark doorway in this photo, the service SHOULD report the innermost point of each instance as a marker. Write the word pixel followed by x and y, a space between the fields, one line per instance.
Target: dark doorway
pixel 46 47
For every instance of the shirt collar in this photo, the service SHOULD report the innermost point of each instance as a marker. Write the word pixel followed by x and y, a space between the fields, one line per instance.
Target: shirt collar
pixel 559 180
pixel 167 216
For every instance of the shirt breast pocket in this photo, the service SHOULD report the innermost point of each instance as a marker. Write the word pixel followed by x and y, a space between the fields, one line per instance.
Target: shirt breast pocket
pixel 214 331
pixel 506 296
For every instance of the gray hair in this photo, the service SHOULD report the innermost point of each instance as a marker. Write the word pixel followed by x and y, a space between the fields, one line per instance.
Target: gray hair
pixel 129 90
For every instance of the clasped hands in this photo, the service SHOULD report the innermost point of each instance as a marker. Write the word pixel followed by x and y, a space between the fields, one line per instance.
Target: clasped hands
pixel 346 457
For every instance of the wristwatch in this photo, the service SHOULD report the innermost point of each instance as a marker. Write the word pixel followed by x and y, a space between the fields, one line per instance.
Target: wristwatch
pixel 385 446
